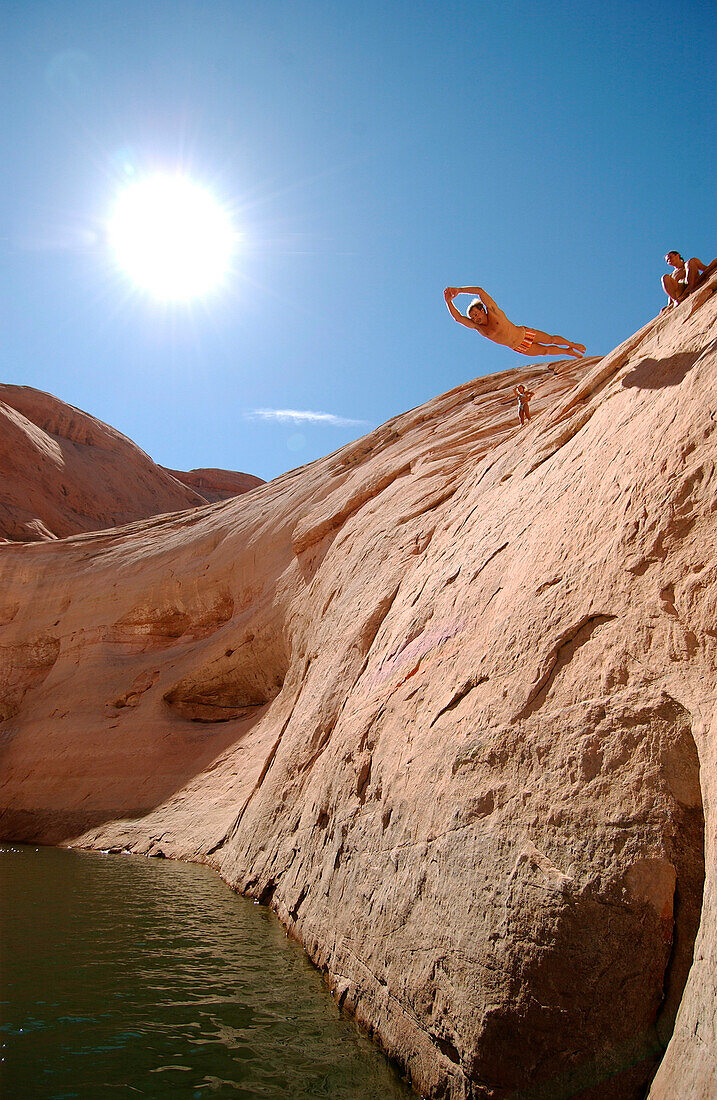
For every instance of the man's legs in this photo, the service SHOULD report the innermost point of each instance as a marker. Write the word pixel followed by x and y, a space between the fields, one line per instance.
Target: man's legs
pixel 553 349
pixel 546 338
pixel 542 346
pixel 693 270
pixel 674 290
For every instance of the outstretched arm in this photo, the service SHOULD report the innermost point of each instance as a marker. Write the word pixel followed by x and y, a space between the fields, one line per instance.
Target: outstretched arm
pixel 480 292
pixel 449 294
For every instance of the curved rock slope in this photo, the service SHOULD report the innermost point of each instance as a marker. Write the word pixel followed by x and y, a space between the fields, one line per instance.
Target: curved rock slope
pixel 63 472
pixel 445 699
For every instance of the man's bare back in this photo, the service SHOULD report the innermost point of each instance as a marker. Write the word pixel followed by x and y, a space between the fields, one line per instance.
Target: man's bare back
pixel 489 320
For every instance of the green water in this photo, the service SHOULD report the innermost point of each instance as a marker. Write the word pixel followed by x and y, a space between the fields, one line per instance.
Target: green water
pixel 123 976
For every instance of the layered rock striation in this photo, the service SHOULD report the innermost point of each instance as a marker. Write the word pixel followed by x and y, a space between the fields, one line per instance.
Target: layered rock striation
pixel 63 472
pixel 444 699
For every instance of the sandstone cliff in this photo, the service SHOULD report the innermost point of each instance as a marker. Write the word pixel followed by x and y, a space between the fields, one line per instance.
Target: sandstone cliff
pixel 217 485
pixel 63 472
pixel 445 699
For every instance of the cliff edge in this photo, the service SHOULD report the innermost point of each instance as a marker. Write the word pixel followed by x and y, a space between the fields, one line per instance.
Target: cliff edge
pixel 444 699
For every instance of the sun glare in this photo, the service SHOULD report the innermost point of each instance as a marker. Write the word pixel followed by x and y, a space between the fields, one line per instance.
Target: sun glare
pixel 171 237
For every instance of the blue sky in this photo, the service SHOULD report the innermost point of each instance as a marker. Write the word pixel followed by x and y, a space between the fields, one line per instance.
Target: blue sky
pixel 370 154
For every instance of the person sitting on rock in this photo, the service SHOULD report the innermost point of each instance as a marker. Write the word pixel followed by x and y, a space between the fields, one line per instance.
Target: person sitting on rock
pixel 488 319
pixel 684 278
pixel 524 397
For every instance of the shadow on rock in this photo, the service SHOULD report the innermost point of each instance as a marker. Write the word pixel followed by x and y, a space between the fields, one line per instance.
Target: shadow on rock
pixel 655 374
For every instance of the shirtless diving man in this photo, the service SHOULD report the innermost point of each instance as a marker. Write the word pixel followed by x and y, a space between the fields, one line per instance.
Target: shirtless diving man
pixel 686 274
pixel 489 320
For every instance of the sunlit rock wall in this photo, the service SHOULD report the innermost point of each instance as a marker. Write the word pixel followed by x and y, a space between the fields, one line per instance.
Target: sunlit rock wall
pixel 444 699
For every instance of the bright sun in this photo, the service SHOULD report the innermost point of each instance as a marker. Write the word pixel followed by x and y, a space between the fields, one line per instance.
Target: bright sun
pixel 171 237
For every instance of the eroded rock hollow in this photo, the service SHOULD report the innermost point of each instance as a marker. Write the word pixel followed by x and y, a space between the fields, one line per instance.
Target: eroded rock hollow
pixel 445 699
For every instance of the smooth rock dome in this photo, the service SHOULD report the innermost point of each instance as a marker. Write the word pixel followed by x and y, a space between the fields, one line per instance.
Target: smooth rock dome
pixel 444 699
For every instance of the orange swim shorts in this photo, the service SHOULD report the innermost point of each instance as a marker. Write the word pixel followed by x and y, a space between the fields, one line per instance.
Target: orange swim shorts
pixel 526 341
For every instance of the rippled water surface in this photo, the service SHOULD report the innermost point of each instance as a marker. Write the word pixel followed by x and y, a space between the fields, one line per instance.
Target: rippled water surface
pixel 124 976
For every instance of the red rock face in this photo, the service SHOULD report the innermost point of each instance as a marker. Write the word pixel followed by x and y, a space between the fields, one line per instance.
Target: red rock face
pixel 64 472
pixel 445 699
pixel 217 485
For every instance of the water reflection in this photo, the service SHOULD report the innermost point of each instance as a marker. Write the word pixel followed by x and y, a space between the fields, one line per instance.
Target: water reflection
pixel 126 976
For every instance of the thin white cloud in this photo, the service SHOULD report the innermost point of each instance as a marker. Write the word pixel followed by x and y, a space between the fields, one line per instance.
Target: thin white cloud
pixel 303 416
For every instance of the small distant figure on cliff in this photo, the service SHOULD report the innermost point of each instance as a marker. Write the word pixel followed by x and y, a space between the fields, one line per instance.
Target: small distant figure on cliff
pixel 488 319
pixel 524 397
pixel 686 274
